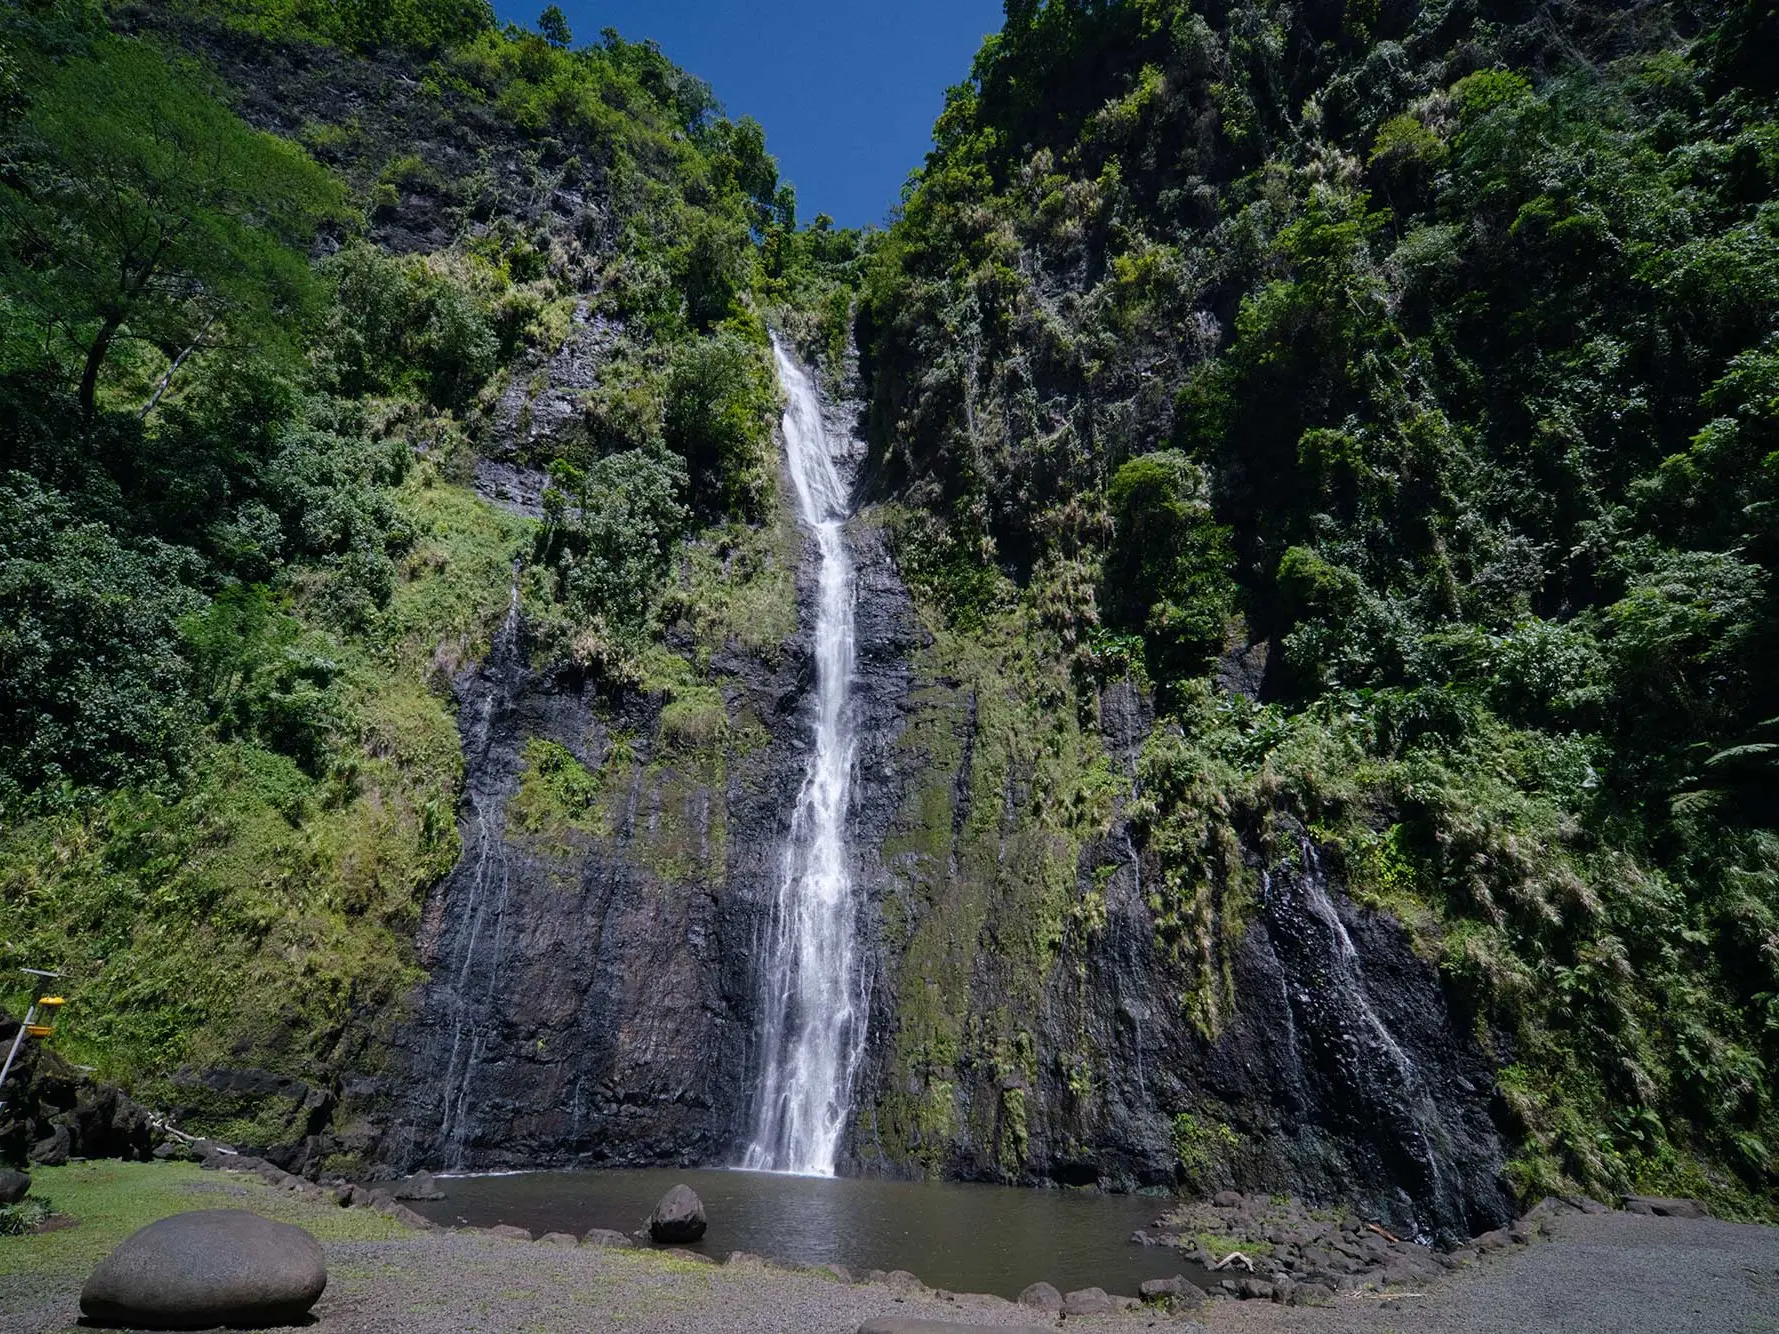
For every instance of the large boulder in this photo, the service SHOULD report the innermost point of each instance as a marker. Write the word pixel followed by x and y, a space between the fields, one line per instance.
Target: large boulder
pixel 200 1270
pixel 420 1186
pixel 679 1218
pixel 1042 1297
pixel 14 1186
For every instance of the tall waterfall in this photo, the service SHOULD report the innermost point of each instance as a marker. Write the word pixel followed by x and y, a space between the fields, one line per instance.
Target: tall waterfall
pixel 813 1025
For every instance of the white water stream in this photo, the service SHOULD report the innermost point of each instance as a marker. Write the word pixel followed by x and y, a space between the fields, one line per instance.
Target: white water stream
pixel 813 1026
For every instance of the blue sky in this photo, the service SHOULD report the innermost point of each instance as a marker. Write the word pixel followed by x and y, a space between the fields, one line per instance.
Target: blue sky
pixel 848 91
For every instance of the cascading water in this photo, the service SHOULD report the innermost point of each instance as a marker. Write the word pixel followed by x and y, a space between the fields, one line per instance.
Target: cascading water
pixel 813 1024
pixel 1328 998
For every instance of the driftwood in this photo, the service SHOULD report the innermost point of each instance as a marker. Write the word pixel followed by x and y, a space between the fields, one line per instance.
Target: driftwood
pixel 1232 1258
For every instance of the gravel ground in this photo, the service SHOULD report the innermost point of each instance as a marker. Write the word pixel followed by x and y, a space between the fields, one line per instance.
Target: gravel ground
pixel 1601 1274
pixel 1615 1273
pixel 469 1283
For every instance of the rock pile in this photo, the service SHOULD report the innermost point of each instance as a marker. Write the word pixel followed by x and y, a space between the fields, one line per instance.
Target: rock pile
pixel 1265 1247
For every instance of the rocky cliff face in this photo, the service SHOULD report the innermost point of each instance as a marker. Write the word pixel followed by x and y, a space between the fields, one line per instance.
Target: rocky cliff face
pixel 592 999
pixel 590 996
pixel 1031 1026
pixel 592 1002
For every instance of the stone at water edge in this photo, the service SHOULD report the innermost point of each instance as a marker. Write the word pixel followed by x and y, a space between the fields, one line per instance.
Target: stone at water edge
pixel 508 1232
pixel 1042 1297
pixel 605 1236
pixel 678 1219
pixel 213 1267
pixel 1088 1301
pixel 420 1186
pixel 14 1186
pixel 1176 1290
pixel 563 1239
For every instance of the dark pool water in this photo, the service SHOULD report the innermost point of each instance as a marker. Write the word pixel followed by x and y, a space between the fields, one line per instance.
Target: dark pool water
pixel 968 1238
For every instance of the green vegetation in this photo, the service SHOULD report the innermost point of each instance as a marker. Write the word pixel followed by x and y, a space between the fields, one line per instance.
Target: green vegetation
pixel 240 566
pixel 1436 357
pixel 110 1200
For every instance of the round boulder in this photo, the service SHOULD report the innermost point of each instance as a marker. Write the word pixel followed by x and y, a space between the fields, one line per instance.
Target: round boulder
pixel 679 1218
pixel 1043 1297
pixel 199 1270
pixel 14 1186
pixel 1088 1301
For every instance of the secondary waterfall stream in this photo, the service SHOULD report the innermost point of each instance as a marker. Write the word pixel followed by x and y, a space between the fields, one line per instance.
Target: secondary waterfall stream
pixel 813 1015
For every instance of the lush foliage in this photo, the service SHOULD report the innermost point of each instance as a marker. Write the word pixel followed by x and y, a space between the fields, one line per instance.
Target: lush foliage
pixel 1452 343
pixel 243 380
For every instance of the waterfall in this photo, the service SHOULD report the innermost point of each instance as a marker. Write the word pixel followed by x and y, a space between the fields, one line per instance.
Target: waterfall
pixel 813 1015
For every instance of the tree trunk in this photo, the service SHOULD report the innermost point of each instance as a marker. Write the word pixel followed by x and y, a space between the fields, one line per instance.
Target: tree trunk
pixel 95 358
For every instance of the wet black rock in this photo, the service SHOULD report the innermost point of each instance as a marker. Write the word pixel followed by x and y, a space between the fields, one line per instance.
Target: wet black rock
pixel 198 1270
pixel 679 1218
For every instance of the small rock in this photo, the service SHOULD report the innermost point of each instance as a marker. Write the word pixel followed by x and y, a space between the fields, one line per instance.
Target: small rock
pixel 359 1198
pixel 343 1194
pixel 507 1232
pixel 840 1273
pixel 1491 1241
pixel 1283 1289
pixel 1312 1294
pixel 1087 1301
pixel 1664 1206
pixel 1459 1258
pixel 1175 1291
pixel 1254 1289
pixel 605 1236
pixel 903 1281
pixel 679 1218
pixel 421 1186
pixel 1125 1303
pixel 214 1267
pixel 745 1260
pixel 13 1185
pixel 1042 1297
pixel 566 1240
pixel 1227 1199
pixel 408 1218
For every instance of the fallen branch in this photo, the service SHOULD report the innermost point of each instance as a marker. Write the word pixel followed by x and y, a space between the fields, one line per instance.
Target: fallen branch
pixel 1387 1236
pixel 1231 1258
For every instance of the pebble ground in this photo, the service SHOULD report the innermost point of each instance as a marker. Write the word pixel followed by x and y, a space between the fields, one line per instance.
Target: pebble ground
pixel 1598 1274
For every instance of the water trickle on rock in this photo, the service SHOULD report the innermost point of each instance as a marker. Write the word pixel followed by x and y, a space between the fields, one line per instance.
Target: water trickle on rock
pixel 472 998
pixel 812 1006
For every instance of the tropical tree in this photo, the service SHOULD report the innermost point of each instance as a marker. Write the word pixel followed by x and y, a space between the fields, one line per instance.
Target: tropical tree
pixel 145 209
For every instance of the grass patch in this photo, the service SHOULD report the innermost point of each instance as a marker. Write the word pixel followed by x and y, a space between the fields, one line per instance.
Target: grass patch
pixel 109 1200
